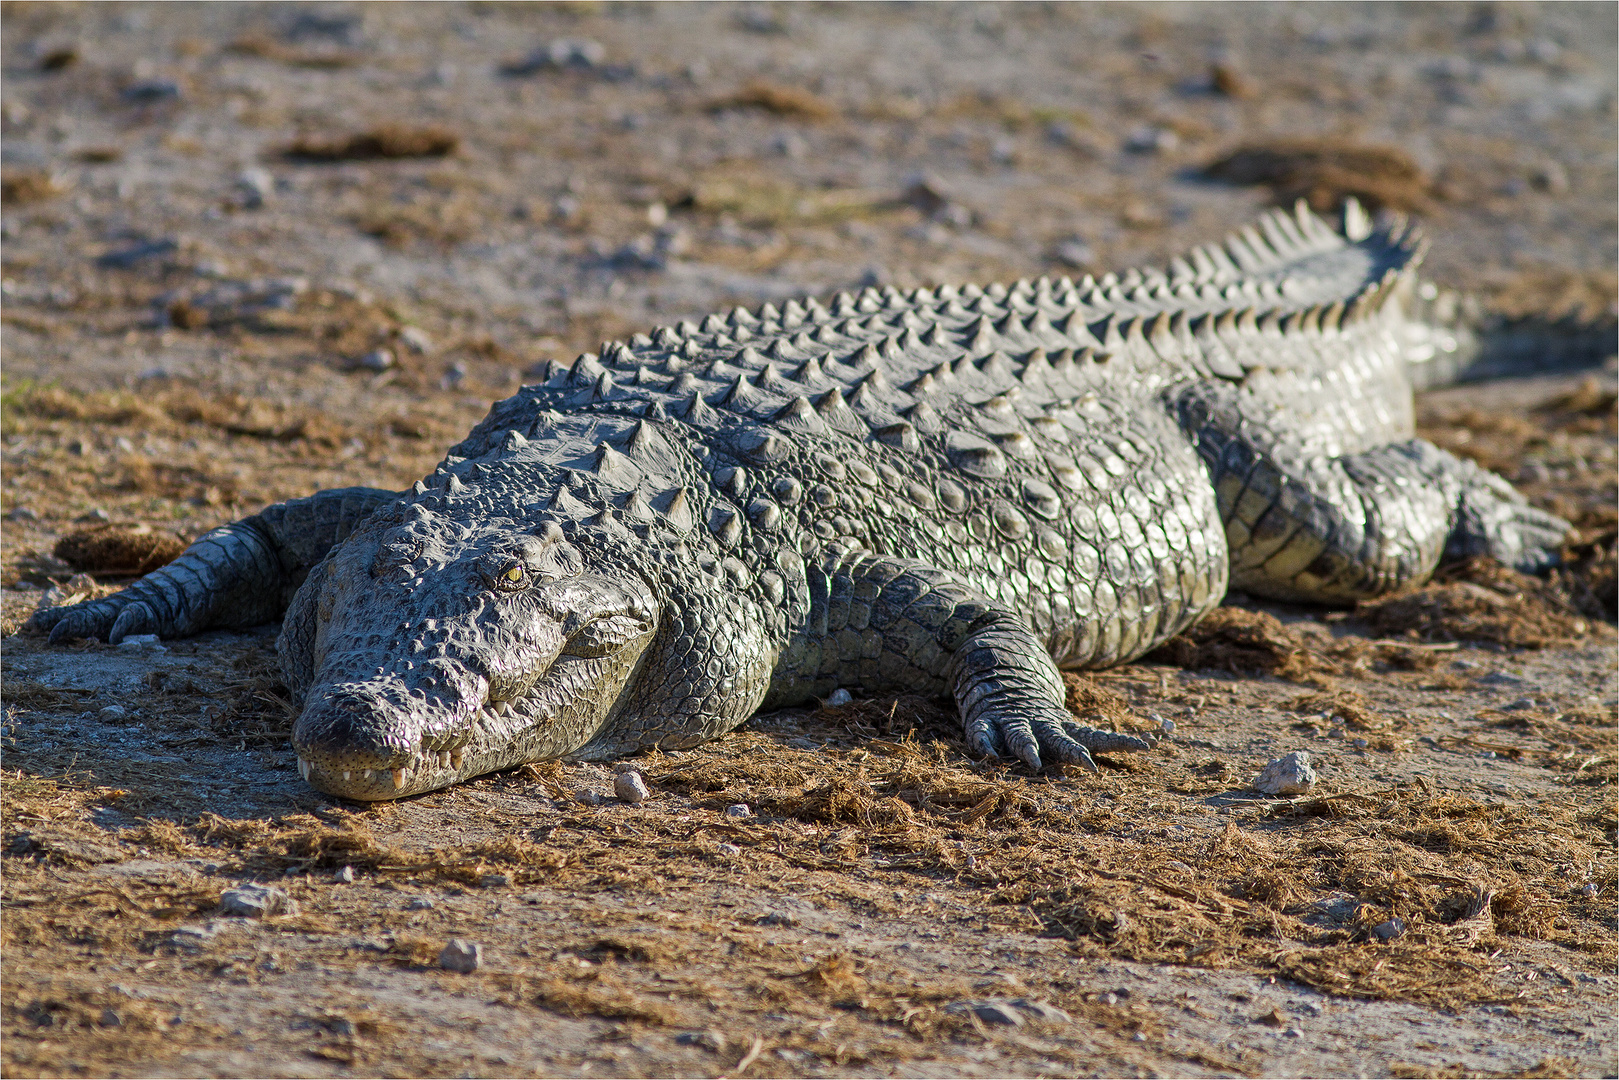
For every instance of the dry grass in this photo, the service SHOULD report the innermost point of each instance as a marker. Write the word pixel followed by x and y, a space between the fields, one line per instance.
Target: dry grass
pixel 22 186
pixel 265 47
pixel 1242 641
pixel 778 100
pixel 121 550
pixel 1326 172
pixel 381 143
pixel 1465 877
pixel 1481 600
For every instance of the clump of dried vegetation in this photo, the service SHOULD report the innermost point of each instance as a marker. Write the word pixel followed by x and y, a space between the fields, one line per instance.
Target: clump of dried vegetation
pixel 1326 172
pixel 873 791
pixel 384 142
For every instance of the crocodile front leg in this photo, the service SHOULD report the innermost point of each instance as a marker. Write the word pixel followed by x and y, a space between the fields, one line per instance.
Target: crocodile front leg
pixel 885 625
pixel 238 575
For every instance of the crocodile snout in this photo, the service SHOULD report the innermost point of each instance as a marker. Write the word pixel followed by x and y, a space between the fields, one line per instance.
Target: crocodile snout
pixel 380 741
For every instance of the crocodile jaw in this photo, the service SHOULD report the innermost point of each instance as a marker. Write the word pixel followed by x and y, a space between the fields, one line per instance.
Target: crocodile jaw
pixel 560 711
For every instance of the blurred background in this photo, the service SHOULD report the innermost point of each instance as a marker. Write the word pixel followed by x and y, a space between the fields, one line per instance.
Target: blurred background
pixel 251 250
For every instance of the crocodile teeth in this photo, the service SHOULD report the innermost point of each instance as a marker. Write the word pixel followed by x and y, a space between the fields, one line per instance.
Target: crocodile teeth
pixel 400 776
pixel 455 759
pixel 444 759
pixel 347 774
pixel 303 768
pixel 365 774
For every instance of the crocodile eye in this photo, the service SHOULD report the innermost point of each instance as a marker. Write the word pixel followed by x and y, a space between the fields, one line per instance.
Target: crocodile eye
pixel 513 577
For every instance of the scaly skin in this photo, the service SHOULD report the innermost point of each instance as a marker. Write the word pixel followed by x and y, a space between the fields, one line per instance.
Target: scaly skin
pixel 944 491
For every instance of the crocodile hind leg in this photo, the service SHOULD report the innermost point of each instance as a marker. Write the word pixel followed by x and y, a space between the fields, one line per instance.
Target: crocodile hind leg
pixel 237 575
pixel 1337 529
pixel 885 625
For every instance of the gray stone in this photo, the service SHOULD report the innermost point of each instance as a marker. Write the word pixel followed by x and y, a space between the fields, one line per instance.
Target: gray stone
pixel 376 360
pixel 415 339
pixel 255 187
pixel 630 786
pixel 461 956
pixel 1289 774
pixel 256 902
pixel 1011 1012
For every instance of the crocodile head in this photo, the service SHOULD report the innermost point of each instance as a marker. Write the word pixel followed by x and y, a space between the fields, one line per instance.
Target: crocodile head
pixel 425 653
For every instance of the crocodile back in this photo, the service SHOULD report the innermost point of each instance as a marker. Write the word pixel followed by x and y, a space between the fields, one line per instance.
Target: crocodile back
pixel 1017 436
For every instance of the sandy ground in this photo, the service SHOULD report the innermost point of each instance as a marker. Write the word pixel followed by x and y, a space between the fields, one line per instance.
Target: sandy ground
pixel 251 251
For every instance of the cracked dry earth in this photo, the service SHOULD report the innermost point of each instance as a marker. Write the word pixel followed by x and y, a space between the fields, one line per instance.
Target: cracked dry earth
pixel 251 251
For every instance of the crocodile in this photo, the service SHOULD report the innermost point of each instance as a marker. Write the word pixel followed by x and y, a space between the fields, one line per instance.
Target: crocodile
pixel 944 491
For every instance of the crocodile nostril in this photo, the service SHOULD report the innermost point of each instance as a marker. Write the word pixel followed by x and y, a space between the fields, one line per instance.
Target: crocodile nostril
pixel 351 734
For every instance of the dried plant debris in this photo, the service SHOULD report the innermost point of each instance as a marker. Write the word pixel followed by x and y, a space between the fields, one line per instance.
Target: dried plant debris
pixel 1242 641
pixel 1453 876
pixel 21 186
pixel 1545 292
pixel 778 100
pixel 1326 172
pixel 265 47
pixel 1589 576
pixel 119 549
pixel 1480 600
pixel 385 142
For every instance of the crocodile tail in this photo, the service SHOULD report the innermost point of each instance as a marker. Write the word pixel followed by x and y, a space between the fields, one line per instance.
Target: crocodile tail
pixel 1451 338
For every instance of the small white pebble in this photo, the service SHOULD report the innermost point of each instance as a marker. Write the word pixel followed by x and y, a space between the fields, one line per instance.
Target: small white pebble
pixel 739 811
pixel 728 850
pixel 345 876
pixel 630 786
pixel 415 339
pixel 840 696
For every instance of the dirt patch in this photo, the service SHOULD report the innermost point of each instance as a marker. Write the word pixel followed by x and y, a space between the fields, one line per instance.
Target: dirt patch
pixel 1324 173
